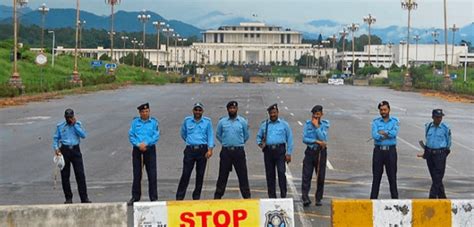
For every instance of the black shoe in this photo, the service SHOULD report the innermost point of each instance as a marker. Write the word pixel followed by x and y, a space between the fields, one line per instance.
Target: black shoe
pixel 319 203
pixel 131 201
pixel 68 201
pixel 86 201
pixel 306 202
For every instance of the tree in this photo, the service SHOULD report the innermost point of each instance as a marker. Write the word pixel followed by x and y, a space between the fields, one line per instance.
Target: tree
pixel 306 60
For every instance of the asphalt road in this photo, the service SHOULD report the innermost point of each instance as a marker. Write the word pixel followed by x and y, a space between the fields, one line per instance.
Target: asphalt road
pixel 26 168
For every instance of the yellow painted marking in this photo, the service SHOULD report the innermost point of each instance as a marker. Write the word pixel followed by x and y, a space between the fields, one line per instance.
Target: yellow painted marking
pixel 352 213
pixel 431 213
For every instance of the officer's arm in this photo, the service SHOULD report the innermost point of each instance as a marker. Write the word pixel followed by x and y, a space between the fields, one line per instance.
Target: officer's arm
pixel 56 139
pixel 245 127
pixel 156 134
pixel 392 133
pixel 260 134
pixel 307 139
pixel 322 131
pixel 79 130
pixel 210 136
pixel 132 136
pixel 184 133
pixel 219 131
pixel 375 132
pixel 448 139
pixel 289 139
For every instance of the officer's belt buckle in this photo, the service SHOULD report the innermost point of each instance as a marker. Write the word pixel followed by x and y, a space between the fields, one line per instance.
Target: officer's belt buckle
pixel 384 148
pixel 197 147
pixel 274 147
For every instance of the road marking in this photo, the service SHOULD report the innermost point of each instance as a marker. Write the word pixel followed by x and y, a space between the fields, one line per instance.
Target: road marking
pixel 342 110
pixel 462 145
pixel 323 99
pixel 247 112
pixel 301 124
pixel 248 100
pixel 292 114
pixel 314 215
pixel 329 165
pixel 37 118
pixel 19 123
pixel 296 196
pixel 286 107
pixel 113 153
pixel 281 101
pixel 192 98
pixel 278 97
pixel 332 104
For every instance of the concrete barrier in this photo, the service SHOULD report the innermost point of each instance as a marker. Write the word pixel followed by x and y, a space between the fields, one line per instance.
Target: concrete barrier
pixel 216 79
pixel 235 79
pixel 285 80
pixel 94 214
pixel 310 80
pixel 417 212
pixel 360 82
pixel 257 79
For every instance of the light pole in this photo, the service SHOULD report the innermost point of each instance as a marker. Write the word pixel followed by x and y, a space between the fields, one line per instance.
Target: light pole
pixel 416 38
pixel 158 25
pixel 369 20
pixel 143 18
pixel 409 5
pixel 390 45
pixel 112 4
pixel 53 47
pixel 447 81
pixel 15 79
pixel 454 29
pixel 434 34
pixel 343 34
pixel 176 37
pixel 124 40
pixel 82 24
pixel 465 62
pixel 76 79
pixel 402 42
pixel 43 10
pixel 168 31
pixel 353 28
pixel 141 46
pixel 134 42
pixel 325 43
pixel 377 56
pixel 333 39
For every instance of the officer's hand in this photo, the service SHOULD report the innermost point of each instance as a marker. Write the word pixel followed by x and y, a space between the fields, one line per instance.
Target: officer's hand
pixel 73 120
pixel 288 158
pixel 208 154
pixel 420 155
pixel 262 145
pixel 315 122
pixel 142 147
pixel 58 152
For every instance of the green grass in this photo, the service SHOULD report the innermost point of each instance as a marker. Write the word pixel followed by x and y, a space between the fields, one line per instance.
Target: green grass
pixel 46 78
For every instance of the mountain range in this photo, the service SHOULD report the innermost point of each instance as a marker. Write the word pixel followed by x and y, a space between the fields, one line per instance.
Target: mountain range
pixel 127 21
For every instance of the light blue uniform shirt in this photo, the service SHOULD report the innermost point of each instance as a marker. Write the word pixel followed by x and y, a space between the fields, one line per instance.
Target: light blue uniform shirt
pixel 232 132
pixel 390 127
pixel 146 131
pixel 438 136
pixel 68 135
pixel 279 132
pixel 311 134
pixel 197 132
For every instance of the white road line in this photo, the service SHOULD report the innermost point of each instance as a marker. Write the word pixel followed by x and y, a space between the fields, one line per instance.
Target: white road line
pixel 292 114
pixel 323 99
pixel 19 123
pixel 192 98
pixel 301 124
pixel 113 153
pixel 281 101
pixel 278 97
pixel 37 118
pixel 296 196
pixel 286 107
pixel 247 112
pixel 248 100
pixel 328 163
pixel 332 104
pixel 462 145
pixel 247 106
pixel 342 110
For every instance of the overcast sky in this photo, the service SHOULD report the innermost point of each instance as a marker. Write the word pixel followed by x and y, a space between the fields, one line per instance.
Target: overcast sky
pixel 388 12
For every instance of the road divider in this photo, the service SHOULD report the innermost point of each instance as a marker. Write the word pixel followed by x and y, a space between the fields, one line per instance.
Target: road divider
pixel 416 212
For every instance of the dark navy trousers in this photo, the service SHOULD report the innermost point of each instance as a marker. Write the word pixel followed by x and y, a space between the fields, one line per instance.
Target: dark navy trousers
pixel 72 155
pixel 274 157
pixel 314 160
pixel 192 157
pixel 149 162
pixel 384 158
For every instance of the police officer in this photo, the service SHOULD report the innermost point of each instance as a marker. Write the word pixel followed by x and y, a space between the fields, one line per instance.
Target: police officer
pixel 66 141
pixel 384 132
pixel 198 135
pixel 276 140
pixel 232 132
pixel 144 133
pixel 438 143
pixel 315 136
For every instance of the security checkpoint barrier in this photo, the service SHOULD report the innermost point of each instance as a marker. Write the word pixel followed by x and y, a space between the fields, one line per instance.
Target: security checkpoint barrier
pixel 235 79
pixel 236 213
pixel 257 79
pixel 216 79
pixel 92 214
pixel 285 80
pixel 416 213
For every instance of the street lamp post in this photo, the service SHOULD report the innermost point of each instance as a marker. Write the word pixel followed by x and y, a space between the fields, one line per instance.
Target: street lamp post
pixel 447 81
pixel 402 42
pixel 353 28
pixel 76 79
pixel 43 10
pixel 143 18
pixel 124 40
pixel 454 29
pixel 134 42
pixel 369 20
pixel 409 5
pixel 82 24
pixel 434 34
pixel 416 38
pixel 53 48
pixel 158 25
pixel 325 43
pixel 334 39
pixel 176 37
pixel 112 4
pixel 343 34
pixel 168 31
pixel 465 62
pixel 390 45
pixel 15 79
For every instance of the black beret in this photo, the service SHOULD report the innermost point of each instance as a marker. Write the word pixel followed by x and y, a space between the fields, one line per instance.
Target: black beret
pixel 198 105
pixel 317 108
pixel 383 103
pixel 232 103
pixel 272 107
pixel 143 106
pixel 69 113
pixel 437 113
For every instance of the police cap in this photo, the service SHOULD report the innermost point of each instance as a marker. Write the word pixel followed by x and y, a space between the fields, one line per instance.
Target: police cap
pixel 198 105
pixel 383 103
pixel 232 103
pixel 143 106
pixel 317 108
pixel 273 107
pixel 437 113
pixel 69 113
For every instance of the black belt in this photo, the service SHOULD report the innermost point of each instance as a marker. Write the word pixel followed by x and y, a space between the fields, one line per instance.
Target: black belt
pixel 384 147
pixel 314 148
pixel 275 146
pixel 233 148
pixel 197 147
pixel 436 151
pixel 70 147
